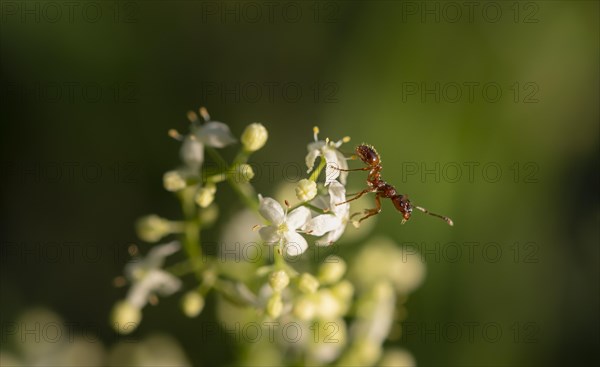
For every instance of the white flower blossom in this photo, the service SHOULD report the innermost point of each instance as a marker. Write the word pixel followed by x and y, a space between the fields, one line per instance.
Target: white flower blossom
pixel 147 277
pixel 332 224
pixel 284 226
pixel 212 133
pixel 333 157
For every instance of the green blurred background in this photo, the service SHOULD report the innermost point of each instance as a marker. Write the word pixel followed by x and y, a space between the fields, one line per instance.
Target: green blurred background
pixel 98 91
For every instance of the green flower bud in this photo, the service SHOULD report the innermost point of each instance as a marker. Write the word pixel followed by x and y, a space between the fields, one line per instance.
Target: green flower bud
pixel 174 181
pixel 308 283
pixel 192 303
pixel 125 317
pixel 254 137
pixel 152 228
pixel 279 280
pixel 332 269
pixel 306 190
pixel 243 173
pixel 274 306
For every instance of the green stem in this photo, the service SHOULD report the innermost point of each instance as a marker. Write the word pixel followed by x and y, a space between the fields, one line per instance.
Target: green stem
pixel 191 228
pixel 315 174
pixel 243 190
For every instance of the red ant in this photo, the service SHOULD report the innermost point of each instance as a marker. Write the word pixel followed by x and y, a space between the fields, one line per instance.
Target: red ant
pixel 370 157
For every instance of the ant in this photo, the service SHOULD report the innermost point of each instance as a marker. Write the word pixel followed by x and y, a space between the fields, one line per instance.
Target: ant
pixel 371 158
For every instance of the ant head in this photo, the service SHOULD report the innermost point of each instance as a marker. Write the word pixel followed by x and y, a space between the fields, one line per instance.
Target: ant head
pixel 403 205
pixel 367 154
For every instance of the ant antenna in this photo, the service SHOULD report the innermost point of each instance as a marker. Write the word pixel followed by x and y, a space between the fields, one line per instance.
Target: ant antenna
pixel 446 219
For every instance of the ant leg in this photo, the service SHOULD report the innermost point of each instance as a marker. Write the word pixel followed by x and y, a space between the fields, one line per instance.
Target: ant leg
pixel 365 191
pixel 351 170
pixel 374 211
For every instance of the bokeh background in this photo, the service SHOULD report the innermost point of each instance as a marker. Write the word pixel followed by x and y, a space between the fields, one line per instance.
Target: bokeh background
pixel 509 89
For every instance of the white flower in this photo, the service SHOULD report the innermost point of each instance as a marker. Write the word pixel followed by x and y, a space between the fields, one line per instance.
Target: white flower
pixel 283 226
pixel 332 224
pixel 333 158
pixel 147 276
pixel 212 133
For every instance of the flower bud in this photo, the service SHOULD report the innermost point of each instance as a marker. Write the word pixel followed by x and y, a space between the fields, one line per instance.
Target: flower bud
pixel 206 195
pixel 243 173
pixel 152 228
pixel 332 269
pixel 125 317
pixel 308 283
pixel 328 306
pixel 279 280
pixel 174 181
pixel 254 137
pixel 306 190
pixel 344 291
pixel 274 306
pixel 192 303
pixel 305 309
pixel 209 215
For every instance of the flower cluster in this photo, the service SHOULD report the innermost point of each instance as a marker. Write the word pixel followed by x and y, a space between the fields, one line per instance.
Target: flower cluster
pixel 331 211
pixel 317 296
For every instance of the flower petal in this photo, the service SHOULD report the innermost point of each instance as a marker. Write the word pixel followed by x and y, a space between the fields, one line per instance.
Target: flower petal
pixel 215 134
pixel 154 281
pixel 156 256
pixel 297 218
pixel 269 234
pixel 343 165
pixel 337 195
pixel 271 210
pixel 331 171
pixel 335 235
pixel 295 244
pixel 322 224
pixel 192 152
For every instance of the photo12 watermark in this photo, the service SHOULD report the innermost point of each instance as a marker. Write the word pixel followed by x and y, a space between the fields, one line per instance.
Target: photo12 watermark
pixel 269 12
pixel 57 332
pixel 71 172
pixel 469 92
pixel 64 252
pixel 469 12
pixel 73 92
pixel 471 332
pixel 470 172
pixel 69 12
pixel 270 92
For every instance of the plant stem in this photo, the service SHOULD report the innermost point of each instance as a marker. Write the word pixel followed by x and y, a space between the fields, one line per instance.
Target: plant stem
pixel 191 229
pixel 315 174
pixel 244 191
